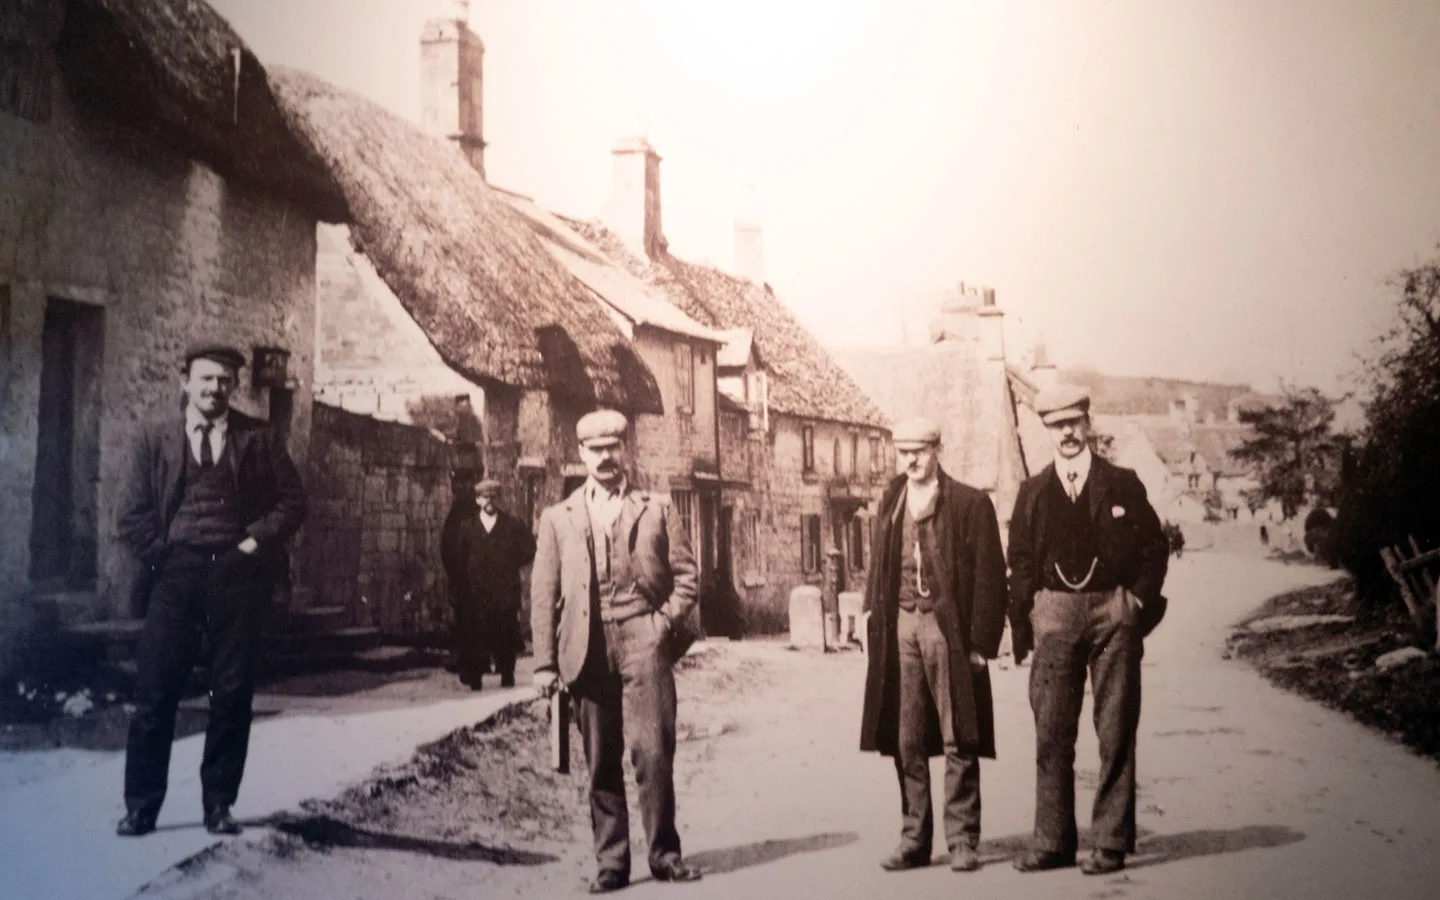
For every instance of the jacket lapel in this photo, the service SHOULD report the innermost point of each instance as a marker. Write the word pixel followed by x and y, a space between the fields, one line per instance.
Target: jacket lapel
pixel 579 515
pixel 173 447
pixel 1099 484
pixel 630 513
pixel 239 438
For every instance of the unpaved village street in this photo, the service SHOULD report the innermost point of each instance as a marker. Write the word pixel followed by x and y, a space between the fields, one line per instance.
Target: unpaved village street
pixel 1245 791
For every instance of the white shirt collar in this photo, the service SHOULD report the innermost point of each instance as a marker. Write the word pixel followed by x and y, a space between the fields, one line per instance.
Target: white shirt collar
pixel 193 421
pixel 489 519
pixel 1080 465
pixel 595 491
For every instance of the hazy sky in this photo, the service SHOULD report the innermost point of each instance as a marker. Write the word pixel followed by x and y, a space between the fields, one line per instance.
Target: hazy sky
pixel 1210 188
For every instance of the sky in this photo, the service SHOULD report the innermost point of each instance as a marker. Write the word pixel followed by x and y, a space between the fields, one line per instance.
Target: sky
pixel 1211 189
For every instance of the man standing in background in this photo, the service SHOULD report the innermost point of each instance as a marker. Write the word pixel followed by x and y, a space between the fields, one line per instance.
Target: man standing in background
pixel 491 548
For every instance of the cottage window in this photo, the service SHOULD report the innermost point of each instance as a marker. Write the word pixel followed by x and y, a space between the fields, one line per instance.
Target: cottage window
pixel 685 378
pixel 809 544
pixel 857 543
pixel 807 439
pixel 685 510
pixel 877 462
pixel 752 536
pixel 835 457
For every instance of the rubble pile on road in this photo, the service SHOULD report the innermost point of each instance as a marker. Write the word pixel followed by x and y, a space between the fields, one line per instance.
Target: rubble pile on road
pixel 1317 642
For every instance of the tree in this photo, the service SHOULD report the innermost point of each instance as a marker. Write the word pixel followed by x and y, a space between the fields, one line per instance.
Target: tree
pixel 1390 486
pixel 1292 451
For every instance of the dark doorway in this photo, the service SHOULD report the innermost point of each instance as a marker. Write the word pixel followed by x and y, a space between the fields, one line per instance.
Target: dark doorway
pixel 727 600
pixel 282 412
pixel 67 459
pixel 711 621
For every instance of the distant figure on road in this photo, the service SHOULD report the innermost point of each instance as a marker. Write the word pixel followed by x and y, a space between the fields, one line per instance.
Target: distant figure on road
pixel 936 598
pixel 613 583
pixel 211 498
pixel 491 548
pixel 1264 536
pixel 1088 558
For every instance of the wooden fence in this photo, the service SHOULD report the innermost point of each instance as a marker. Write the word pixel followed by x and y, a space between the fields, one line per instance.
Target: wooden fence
pixel 1415 573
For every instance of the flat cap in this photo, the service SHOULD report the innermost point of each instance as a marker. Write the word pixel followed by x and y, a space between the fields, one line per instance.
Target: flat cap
pixel 916 432
pixel 601 428
pixel 221 353
pixel 487 488
pixel 1062 403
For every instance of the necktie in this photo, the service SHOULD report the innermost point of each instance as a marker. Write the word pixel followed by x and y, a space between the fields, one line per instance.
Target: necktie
pixel 1073 477
pixel 207 456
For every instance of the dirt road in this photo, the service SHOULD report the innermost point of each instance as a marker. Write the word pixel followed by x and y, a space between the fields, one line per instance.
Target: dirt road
pixel 1246 791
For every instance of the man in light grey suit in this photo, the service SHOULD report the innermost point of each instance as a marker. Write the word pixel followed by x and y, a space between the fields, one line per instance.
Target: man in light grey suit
pixel 611 591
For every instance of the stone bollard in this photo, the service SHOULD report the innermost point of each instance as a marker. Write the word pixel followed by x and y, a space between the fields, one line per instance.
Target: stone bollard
pixel 807 620
pixel 851 628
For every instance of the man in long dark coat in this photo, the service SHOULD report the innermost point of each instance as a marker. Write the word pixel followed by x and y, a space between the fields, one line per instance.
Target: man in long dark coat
pixel 1087 561
pixel 491 547
pixel 936 599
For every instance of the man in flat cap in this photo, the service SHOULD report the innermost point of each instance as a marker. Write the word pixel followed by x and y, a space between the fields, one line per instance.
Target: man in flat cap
pixel 612 589
pixel 491 548
pixel 211 498
pixel 1087 562
pixel 936 599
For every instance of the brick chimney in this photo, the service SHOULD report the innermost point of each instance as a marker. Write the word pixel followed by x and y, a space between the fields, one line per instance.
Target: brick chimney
pixel 992 328
pixel 451 67
pixel 749 252
pixel 634 209
pixel 1042 369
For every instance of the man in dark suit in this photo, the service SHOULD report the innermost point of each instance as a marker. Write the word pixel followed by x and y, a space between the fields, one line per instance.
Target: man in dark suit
pixel 491 547
pixel 936 599
pixel 610 595
pixel 211 498
pixel 1087 561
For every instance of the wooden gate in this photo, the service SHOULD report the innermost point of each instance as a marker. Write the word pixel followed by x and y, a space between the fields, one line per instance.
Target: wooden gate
pixel 1414 573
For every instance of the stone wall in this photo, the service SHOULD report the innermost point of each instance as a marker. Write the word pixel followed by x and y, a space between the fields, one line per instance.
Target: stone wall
pixel 783 492
pixel 171 253
pixel 379 493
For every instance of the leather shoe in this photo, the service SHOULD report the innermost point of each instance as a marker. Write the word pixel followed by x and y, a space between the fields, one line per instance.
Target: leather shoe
pixel 674 869
pixel 609 880
pixel 219 821
pixel 903 859
pixel 1103 862
pixel 1043 860
pixel 135 824
pixel 963 859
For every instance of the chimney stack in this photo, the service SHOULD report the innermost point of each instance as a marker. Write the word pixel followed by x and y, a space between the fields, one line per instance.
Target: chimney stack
pixel 451 68
pixel 749 251
pixel 1042 371
pixel 634 209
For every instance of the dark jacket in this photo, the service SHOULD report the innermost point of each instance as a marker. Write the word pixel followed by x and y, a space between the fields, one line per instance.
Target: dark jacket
pixel 267 486
pixel 488 565
pixel 656 553
pixel 970 608
pixel 1128 536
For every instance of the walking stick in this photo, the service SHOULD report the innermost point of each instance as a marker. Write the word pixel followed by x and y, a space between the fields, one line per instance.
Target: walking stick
pixel 560 732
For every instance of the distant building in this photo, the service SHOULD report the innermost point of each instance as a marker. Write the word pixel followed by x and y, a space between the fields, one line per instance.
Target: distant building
pixel 960 379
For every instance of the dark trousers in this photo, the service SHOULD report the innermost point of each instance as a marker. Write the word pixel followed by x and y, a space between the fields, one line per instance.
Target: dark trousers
pixel 1076 633
pixel 625 695
pixel 925 682
pixel 222 596
pixel 483 634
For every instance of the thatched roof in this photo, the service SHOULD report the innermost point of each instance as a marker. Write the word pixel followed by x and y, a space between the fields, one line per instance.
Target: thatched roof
pixel 170 67
pixel 803 379
pixel 969 399
pixel 613 285
pixel 465 264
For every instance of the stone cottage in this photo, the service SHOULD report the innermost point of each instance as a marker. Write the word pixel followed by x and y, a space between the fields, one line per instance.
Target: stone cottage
pixel 151 196
pixel 448 326
pixel 805 452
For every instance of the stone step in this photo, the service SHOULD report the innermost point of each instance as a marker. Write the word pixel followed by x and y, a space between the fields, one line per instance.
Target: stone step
pixel 314 620
pixel 71 608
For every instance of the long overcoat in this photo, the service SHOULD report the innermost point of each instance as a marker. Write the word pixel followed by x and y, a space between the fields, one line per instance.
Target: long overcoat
pixel 970 608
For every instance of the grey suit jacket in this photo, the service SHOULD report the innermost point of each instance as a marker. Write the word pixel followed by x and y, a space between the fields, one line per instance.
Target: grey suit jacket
pixel 656 549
